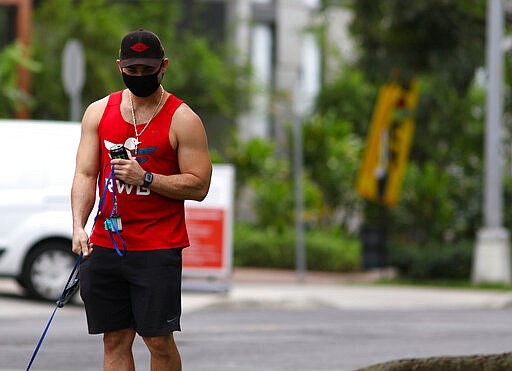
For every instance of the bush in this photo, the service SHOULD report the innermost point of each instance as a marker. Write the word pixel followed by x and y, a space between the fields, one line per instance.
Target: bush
pixel 329 251
pixel 11 97
pixel 332 154
pixel 433 262
pixel 427 210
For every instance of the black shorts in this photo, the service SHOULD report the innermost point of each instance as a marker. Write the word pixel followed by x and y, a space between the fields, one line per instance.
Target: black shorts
pixel 141 290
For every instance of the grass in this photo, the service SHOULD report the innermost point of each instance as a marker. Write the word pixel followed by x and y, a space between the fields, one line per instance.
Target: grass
pixel 459 284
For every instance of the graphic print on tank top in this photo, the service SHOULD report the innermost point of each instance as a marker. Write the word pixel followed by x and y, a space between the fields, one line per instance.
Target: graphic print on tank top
pixel 129 144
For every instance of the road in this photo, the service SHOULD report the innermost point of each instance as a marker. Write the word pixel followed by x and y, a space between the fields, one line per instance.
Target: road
pixel 232 332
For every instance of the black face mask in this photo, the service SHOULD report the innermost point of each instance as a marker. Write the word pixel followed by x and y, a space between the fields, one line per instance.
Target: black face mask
pixel 142 86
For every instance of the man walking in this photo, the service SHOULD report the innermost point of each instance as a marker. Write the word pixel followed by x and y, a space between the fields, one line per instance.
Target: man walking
pixel 130 276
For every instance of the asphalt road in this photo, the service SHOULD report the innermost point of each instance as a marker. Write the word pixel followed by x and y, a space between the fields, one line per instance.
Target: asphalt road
pixel 260 335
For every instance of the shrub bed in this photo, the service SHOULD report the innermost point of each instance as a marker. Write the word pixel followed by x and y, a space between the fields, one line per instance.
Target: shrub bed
pixel 330 251
pixel 433 261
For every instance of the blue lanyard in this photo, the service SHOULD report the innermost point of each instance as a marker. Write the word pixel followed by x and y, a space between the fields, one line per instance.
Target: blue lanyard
pixel 101 206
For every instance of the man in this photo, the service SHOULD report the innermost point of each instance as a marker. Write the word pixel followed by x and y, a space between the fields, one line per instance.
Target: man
pixel 130 276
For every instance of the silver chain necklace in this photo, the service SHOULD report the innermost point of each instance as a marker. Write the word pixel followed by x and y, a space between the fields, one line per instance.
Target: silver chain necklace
pixel 137 134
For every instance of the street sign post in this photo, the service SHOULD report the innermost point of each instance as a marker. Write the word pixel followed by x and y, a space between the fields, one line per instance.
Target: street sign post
pixel 73 76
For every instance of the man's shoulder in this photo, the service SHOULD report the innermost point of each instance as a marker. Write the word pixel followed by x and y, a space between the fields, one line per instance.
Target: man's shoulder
pixel 186 123
pixel 95 110
pixel 99 103
pixel 185 113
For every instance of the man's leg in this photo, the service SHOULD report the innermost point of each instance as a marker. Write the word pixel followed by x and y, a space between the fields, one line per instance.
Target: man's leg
pixel 117 347
pixel 164 353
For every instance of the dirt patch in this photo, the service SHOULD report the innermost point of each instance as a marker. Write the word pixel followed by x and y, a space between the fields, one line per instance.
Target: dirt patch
pixel 492 362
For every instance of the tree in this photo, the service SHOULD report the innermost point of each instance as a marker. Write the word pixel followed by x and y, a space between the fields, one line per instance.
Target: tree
pixel 12 98
pixel 421 37
pixel 440 43
pixel 205 76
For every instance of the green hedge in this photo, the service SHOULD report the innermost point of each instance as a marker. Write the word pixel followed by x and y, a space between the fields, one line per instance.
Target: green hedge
pixel 334 251
pixel 433 261
pixel 329 251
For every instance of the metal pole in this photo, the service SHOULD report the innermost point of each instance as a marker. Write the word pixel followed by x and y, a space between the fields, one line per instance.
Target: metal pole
pixel 300 255
pixel 491 261
pixel 75 107
pixel 493 196
pixel 298 165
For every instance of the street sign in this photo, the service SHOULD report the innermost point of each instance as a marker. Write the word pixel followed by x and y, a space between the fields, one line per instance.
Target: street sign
pixel 73 67
pixel 73 76
pixel 210 228
pixel 388 144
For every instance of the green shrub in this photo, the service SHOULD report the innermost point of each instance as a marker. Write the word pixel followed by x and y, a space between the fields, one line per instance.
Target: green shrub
pixel 332 154
pixel 433 262
pixel 12 97
pixel 270 248
pixel 332 251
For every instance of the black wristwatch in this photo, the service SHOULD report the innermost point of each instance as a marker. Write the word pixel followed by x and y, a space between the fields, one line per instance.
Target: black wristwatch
pixel 148 179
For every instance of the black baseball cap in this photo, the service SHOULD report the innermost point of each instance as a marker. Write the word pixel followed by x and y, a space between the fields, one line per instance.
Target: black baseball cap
pixel 141 47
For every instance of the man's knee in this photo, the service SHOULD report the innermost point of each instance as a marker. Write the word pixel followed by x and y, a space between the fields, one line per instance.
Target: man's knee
pixel 161 345
pixel 118 340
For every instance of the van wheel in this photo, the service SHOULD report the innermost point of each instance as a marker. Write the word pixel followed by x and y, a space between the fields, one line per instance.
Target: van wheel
pixel 47 269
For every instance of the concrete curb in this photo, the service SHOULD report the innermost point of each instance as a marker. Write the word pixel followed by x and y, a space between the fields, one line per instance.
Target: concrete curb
pixel 260 287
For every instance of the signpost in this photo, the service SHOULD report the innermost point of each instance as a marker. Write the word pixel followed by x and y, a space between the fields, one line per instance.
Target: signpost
pixel 73 76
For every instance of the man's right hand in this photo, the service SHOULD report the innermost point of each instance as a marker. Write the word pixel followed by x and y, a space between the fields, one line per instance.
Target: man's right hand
pixel 81 243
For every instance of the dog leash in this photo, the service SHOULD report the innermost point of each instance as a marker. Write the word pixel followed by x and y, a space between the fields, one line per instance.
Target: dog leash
pixel 65 297
pixel 70 290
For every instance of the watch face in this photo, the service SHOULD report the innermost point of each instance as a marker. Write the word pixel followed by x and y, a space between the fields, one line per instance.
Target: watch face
pixel 148 178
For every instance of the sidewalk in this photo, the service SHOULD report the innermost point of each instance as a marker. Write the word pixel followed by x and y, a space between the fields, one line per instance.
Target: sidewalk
pixel 278 288
pixel 282 289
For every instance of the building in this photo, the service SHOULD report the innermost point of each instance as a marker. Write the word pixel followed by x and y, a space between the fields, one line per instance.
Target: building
pixel 278 38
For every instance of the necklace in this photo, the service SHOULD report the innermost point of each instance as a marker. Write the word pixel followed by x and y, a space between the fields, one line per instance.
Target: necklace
pixel 137 134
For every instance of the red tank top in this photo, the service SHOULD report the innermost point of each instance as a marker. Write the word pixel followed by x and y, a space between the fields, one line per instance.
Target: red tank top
pixel 149 220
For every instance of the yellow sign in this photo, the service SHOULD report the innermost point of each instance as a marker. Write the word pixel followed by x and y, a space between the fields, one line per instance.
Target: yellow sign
pixel 388 144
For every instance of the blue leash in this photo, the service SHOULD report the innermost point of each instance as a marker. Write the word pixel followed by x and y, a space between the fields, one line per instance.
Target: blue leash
pixel 70 290
pixel 65 297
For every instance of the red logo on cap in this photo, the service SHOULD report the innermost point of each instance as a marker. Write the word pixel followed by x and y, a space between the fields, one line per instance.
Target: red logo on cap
pixel 139 47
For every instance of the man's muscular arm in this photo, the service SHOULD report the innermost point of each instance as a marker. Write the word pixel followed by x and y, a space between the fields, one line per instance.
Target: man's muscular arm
pixel 188 137
pixel 83 191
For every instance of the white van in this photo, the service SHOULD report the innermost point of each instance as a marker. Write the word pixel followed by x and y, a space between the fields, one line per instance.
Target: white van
pixel 37 170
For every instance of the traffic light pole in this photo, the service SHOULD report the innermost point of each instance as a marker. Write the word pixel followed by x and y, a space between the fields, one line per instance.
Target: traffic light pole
pixel 491 260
